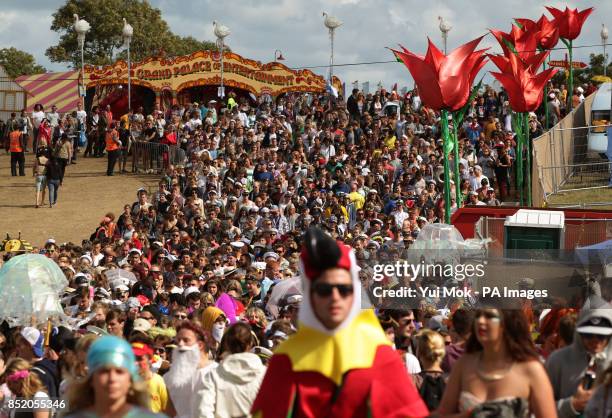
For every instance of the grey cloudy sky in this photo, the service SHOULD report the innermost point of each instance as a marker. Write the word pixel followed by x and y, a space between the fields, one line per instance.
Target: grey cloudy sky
pixel 296 28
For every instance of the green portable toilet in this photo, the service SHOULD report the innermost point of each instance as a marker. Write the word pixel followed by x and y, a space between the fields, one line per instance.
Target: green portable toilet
pixel 530 229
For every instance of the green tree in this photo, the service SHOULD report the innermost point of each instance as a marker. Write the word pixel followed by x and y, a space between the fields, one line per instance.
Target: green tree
pixel 17 62
pixel 104 43
pixel 186 45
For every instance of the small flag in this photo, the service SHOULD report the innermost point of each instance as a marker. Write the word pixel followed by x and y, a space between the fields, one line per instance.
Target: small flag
pixel 394 88
pixel 331 90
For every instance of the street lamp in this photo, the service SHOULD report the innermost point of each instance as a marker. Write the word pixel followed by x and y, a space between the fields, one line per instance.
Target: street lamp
pixel 445 29
pixel 81 27
pixel 604 40
pixel 127 33
pixel 221 32
pixel 278 57
pixel 332 23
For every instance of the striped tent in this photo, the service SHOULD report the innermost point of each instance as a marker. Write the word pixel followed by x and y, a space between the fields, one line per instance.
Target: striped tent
pixel 60 89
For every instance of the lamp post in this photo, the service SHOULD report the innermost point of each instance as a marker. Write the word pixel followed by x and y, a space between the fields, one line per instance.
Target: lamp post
pixel 81 27
pixel 279 56
pixel 127 33
pixel 221 32
pixel 332 23
pixel 445 29
pixel 604 40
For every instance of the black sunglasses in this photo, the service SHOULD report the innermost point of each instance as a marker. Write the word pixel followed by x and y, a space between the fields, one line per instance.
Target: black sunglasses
pixel 325 289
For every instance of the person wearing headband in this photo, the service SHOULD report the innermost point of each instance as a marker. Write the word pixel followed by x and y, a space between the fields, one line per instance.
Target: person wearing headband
pixel 25 384
pixel 339 363
pixel 113 386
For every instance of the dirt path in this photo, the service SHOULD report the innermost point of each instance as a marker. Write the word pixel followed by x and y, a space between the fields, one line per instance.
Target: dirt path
pixel 87 194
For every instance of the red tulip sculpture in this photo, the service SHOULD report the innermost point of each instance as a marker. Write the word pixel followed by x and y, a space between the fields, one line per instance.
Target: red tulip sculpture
pixel 548 32
pixel 444 81
pixel 569 22
pixel 547 38
pixel 518 73
pixel 524 85
pixel 445 84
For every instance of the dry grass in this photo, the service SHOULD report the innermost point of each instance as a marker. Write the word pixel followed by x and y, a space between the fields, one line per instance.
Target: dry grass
pixel 87 194
pixel 578 197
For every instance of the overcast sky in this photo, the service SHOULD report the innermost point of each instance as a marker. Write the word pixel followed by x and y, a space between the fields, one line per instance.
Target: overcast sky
pixel 296 28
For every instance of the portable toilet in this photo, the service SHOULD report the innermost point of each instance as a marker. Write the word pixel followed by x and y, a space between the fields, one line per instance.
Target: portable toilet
pixel 530 229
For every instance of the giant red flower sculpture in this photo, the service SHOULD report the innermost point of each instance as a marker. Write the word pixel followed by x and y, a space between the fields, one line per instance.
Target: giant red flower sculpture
pixel 569 21
pixel 518 41
pixel 546 30
pixel 444 81
pixel 519 77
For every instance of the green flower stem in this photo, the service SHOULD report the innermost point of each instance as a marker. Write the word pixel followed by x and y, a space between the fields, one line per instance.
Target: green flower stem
pixel 545 99
pixel 528 145
pixel 456 161
pixel 519 155
pixel 447 192
pixel 570 84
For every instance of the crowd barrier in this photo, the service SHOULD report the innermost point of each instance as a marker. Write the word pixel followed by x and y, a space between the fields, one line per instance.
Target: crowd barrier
pixel 152 157
pixel 561 152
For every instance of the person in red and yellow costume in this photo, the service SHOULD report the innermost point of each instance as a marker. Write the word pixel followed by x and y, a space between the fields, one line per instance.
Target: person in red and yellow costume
pixel 339 363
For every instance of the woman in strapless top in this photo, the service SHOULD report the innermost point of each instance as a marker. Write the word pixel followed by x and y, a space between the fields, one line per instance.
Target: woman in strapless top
pixel 500 374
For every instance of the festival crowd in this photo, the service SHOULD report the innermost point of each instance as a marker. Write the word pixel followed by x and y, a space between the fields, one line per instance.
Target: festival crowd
pixel 171 306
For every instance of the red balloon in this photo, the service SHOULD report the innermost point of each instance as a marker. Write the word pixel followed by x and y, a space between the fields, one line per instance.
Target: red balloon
pixel 569 21
pixel 444 81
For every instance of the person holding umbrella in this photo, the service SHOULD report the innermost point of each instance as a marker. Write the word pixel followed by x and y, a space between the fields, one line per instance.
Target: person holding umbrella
pixel 30 347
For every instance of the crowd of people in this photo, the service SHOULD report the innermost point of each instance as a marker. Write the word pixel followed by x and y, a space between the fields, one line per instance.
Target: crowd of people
pixel 170 303
pixel 380 134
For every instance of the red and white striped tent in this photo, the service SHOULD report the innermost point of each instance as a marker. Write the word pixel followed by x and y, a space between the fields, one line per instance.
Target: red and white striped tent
pixel 60 89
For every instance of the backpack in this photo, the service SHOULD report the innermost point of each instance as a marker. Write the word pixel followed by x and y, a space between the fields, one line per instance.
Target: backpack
pixel 432 389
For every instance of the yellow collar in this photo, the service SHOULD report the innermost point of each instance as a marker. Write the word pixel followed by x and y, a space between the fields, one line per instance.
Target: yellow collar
pixel 353 347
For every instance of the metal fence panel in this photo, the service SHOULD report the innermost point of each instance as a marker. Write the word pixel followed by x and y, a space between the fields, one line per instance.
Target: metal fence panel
pixel 558 149
pixel 151 157
pixel 572 177
pixel 578 233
